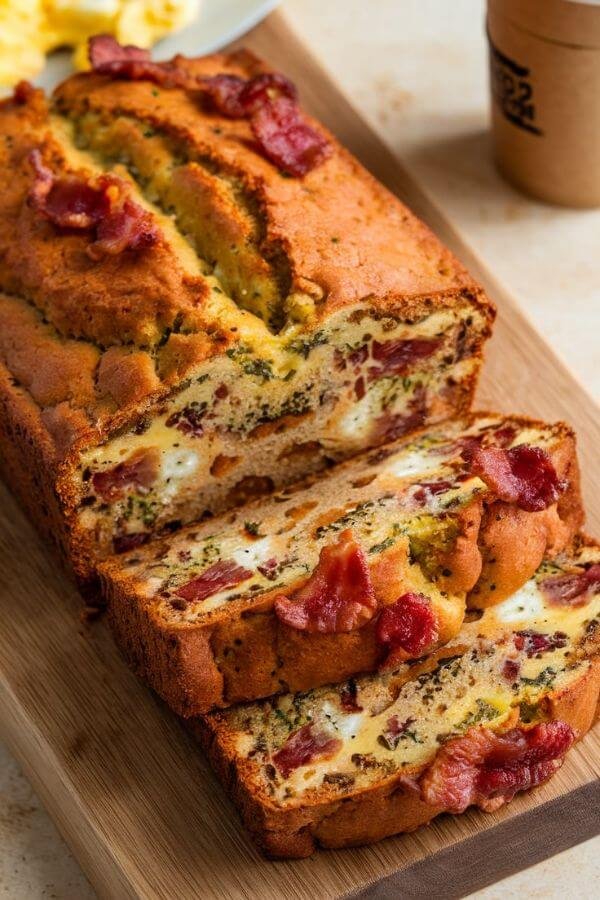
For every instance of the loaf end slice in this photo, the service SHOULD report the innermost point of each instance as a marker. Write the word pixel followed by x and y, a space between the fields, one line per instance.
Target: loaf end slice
pixel 489 715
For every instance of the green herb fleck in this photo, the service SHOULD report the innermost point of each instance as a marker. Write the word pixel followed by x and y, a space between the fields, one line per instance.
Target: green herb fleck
pixel 544 679
pixel 304 346
pixel 252 528
pixel 483 713
pixel 383 545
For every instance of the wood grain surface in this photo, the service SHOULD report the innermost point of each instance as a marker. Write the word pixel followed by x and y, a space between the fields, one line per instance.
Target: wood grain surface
pixel 127 786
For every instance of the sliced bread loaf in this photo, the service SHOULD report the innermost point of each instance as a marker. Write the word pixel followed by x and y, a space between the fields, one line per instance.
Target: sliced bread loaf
pixel 369 565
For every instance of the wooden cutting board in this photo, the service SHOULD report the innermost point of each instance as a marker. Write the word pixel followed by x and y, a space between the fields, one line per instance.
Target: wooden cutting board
pixel 126 785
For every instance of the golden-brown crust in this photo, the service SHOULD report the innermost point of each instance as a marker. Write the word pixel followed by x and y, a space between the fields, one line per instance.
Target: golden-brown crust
pixel 338 199
pixel 513 542
pixel 256 655
pixel 388 807
pixel 381 254
pixel 96 345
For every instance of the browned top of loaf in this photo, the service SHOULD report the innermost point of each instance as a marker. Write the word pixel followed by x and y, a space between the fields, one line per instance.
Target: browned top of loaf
pixel 96 338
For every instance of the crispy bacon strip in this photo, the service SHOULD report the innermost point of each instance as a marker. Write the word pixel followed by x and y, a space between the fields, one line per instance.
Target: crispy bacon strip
pixel 406 628
pixel 304 746
pixel 269 101
pixel 101 206
pixel 573 589
pixel 223 574
pixel 105 50
pixel 523 475
pixel 486 769
pixel 338 596
pixel 108 57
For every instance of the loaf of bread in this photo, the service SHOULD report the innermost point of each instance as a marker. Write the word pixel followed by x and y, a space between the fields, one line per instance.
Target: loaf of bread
pixel 370 563
pixel 185 324
pixel 491 714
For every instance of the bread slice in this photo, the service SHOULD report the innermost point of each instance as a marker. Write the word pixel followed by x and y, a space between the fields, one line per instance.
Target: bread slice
pixel 302 319
pixel 490 714
pixel 209 616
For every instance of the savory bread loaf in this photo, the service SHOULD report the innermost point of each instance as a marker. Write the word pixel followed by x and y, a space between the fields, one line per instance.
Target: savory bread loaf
pixel 193 315
pixel 367 565
pixel 490 714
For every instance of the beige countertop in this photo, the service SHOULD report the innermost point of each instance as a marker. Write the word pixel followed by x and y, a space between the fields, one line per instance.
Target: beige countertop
pixel 417 70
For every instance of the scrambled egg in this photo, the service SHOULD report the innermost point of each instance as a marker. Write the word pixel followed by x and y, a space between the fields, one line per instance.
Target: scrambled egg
pixel 31 28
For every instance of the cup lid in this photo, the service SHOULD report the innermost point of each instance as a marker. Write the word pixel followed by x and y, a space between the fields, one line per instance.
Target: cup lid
pixel 572 22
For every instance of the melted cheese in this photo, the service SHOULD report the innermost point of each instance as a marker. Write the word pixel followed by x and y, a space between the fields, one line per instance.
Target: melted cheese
pixel 408 465
pixel 258 552
pixel 525 605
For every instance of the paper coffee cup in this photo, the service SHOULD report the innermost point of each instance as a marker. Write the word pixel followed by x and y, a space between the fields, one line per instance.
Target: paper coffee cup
pixel 545 87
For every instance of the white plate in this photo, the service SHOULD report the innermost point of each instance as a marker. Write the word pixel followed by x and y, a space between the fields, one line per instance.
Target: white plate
pixel 219 22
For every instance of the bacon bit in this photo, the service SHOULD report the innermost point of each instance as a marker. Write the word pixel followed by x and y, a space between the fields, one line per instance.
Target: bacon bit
pixel 389 427
pixel 349 697
pixel 468 444
pixel 488 769
pixel 406 629
pixel 523 475
pixel 533 642
pixel 359 388
pixel 221 392
pixel 129 227
pixel 23 92
pixel 67 202
pixel 429 489
pixel 108 57
pixel 104 49
pixel 189 419
pixel 103 206
pixel 224 93
pixel 138 471
pixel 304 746
pixel 510 670
pixel 267 88
pixel 397 356
pixel 357 357
pixel 124 542
pixel 338 596
pixel 268 568
pixel 286 139
pixel 394 731
pixel 236 98
pixel 223 574
pixel 573 589
pixel 504 436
